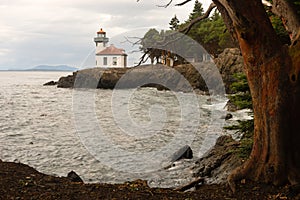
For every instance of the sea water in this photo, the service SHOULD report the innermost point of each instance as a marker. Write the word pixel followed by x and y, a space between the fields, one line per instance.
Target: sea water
pixel 107 136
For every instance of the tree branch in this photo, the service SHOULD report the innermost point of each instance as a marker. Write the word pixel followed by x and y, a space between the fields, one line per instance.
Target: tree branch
pixel 168 4
pixel 186 29
pixel 127 39
pixel 183 3
pixel 165 6
pixel 142 59
pixel 288 14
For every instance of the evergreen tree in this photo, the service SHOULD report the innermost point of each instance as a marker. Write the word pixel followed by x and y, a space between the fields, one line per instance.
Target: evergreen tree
pixel 197 11
pixel 242 99
pixel 174 23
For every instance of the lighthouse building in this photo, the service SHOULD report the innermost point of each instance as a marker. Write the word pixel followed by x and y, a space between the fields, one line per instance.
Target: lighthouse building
pixel 108 56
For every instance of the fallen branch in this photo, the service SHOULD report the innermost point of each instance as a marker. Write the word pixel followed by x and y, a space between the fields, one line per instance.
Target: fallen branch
pixel 190 185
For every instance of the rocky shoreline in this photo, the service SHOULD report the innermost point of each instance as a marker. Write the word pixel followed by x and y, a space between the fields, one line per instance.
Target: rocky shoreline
pixel 213 168
pixel 158 76
pixel 184 78
pixel 19 181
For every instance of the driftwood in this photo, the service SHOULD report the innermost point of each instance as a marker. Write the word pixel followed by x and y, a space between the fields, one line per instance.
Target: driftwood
pixel 190 185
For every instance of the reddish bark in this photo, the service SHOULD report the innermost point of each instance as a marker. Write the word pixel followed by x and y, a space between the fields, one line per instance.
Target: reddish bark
pixel 273 72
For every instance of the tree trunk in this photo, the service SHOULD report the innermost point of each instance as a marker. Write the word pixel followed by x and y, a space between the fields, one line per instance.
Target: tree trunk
pixel 273 74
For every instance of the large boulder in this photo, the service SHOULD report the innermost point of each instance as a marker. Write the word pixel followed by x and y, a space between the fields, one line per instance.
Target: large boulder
pixel 183 153
pixel 229 62
pixel 73 177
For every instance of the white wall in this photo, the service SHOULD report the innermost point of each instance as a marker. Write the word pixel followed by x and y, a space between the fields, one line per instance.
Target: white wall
pixel 121 61
pixel 100 46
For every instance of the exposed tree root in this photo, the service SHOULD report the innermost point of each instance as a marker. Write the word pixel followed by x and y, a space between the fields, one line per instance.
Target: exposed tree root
pixel 237 175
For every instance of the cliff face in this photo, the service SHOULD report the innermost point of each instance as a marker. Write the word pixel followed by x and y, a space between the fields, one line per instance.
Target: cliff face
pixel 230 62
pixel 179 78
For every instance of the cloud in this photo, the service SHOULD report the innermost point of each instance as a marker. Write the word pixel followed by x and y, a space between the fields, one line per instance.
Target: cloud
pixel 62 31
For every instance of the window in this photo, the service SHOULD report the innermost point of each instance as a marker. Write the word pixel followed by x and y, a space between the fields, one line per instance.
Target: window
pixel 114 60
pixel 105 61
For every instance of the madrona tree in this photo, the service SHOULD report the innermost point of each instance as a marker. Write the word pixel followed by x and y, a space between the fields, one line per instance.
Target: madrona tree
pixel 273 73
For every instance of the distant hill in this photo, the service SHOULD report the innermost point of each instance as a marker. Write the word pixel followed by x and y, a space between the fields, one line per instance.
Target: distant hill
pixel 53 68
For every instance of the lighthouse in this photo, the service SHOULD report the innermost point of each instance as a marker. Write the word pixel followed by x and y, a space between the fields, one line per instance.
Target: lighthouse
pixel 101 40
pixel 108 56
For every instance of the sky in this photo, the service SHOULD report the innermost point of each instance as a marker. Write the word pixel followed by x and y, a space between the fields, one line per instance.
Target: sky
pixel 54 32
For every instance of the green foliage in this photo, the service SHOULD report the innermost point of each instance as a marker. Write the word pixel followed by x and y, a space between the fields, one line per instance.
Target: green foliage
pixel 197 11
pixel 210 32
pixel 241 84
pixel 160 46
pixel 242 98
pixel 174 23
pixel 245 127
pixel 151 37
pixel 246 142
pixel 245 148
pixel 280 29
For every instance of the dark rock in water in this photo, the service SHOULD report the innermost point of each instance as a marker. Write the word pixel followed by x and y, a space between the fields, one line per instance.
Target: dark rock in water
pixel 67 82
pixel 74 177
pixel 228 116
pixel 183 153
pixel 50 83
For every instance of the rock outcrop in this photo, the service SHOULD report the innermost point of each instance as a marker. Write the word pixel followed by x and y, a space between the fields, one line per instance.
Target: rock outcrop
pixel 67 82
pixel 229 62
pixel 50 83
pixel 217 164
pixel 180 78
pixel 187 77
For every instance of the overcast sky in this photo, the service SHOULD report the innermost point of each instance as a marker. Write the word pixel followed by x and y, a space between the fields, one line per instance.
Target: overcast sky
pixel 53 32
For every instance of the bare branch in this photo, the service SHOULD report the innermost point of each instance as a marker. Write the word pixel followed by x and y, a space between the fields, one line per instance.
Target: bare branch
pixel 142 59
pixel 165 6
pixel 186 29
pixel 183 3
pixel 128 40
pixel 179 4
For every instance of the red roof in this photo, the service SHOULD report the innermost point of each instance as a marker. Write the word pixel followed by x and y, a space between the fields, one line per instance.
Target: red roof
pixel 101 31
pixel 112 50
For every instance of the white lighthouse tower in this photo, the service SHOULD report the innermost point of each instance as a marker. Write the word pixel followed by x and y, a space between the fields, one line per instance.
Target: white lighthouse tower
pixel 101 40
